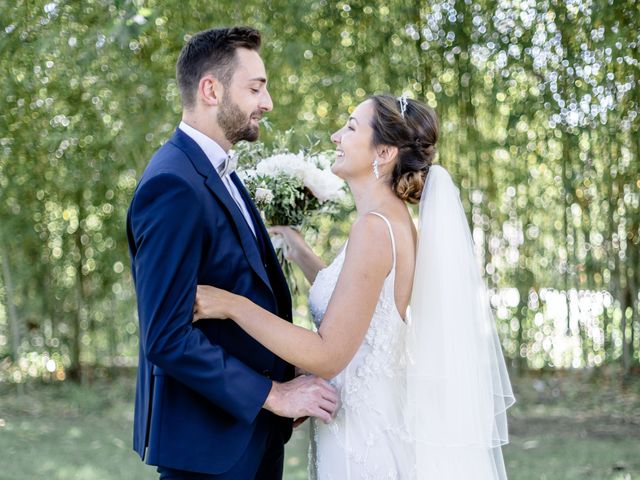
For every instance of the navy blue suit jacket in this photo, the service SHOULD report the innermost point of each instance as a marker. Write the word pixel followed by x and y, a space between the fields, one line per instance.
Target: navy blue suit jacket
pixel 200 386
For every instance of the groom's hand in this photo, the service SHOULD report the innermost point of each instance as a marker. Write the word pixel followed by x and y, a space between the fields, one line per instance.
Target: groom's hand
pixel 299 421
pixel 304 396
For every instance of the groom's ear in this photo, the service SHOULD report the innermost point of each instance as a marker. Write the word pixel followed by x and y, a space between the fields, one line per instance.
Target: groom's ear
pixel 210 90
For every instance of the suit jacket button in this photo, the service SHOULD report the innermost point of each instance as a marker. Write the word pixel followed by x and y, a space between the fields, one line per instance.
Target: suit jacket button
pixel 266 373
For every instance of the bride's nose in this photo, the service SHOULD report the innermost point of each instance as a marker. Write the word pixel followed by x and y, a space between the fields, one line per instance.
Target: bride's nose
pixel 335 138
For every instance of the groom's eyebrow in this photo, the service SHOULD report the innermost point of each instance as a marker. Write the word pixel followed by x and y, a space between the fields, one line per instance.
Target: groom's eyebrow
pixel 258 79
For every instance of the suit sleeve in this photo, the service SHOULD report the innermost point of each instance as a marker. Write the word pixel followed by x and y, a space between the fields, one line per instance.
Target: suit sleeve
pixel 167 229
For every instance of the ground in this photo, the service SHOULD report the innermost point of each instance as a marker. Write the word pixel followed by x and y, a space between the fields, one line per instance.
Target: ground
pixel 565 426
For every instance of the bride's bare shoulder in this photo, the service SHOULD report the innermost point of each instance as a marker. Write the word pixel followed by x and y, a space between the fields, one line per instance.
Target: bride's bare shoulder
pixel 368 227
pixel 369 238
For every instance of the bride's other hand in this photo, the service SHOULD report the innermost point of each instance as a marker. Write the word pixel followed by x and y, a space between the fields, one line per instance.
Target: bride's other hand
pixel 294 243
pixel 298 251
pixel 212 302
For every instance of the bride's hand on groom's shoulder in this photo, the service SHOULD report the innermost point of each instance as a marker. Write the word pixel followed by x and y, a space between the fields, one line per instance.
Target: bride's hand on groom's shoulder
pixel 212 302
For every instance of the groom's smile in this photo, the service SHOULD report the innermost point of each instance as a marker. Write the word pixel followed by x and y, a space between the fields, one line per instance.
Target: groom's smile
pixel 245 99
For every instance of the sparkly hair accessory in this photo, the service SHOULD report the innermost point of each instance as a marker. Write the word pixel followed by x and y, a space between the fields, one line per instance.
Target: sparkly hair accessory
pixel 403 104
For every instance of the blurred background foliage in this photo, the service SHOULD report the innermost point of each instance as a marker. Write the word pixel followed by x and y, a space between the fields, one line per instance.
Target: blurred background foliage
pixel 538 102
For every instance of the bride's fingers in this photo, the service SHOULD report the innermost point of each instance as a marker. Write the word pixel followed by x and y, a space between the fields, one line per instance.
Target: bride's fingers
pixel 277 230
pixel 283 231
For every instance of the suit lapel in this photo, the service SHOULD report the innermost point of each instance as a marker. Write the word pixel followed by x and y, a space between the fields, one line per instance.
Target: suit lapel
pixel 261 230
pixel 217 188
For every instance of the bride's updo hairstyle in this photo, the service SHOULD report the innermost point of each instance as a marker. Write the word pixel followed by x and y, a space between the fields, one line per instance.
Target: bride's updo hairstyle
pixel 415 133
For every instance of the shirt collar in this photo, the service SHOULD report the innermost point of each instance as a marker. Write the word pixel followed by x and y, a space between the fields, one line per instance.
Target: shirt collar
pixel 214 152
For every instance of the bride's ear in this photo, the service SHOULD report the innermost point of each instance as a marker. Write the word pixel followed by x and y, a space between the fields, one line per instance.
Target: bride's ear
pixel 387 154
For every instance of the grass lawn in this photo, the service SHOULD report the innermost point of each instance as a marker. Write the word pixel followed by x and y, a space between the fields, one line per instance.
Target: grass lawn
pixel 565 426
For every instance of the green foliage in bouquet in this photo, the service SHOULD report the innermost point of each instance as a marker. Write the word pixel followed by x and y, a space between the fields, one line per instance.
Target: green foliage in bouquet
pixel 282 200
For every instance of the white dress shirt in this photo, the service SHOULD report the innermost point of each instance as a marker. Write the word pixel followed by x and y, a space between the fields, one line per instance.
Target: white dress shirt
pixel 217 157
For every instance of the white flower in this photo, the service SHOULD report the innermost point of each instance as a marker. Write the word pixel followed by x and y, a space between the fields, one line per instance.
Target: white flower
pixel 323 184
pixel 291 164
pixel 246 175
pixel 323 160
pixel 314 172
pixel 264 195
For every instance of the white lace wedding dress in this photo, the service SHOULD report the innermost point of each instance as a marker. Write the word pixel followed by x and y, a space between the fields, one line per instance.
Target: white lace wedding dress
pixel 368 438
pixel 424 400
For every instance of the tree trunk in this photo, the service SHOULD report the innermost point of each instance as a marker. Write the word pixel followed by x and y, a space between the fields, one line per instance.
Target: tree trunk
pixel 566 159
pixel 75 370
pixel 626 303
pixel 14 326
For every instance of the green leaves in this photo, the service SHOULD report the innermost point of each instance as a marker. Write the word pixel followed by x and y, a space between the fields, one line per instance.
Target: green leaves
pixel 538 104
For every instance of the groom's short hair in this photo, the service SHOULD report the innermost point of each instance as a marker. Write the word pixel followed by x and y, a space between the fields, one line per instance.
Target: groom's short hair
pixel 211 51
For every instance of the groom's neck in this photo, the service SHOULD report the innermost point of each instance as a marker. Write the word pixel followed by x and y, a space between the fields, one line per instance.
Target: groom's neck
pixel 207 126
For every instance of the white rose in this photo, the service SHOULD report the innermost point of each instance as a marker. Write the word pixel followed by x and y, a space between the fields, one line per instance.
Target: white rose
pixel 264 195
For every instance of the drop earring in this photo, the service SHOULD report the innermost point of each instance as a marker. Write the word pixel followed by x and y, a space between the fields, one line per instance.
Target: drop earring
pixel 375 169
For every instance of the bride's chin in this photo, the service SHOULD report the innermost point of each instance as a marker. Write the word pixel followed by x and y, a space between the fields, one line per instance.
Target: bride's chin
pixel 336 171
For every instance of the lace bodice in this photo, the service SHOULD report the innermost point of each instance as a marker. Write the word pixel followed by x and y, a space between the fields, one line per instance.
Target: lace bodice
pixel 371 387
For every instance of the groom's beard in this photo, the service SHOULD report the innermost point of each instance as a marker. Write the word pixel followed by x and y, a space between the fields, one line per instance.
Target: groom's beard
pixel 235 124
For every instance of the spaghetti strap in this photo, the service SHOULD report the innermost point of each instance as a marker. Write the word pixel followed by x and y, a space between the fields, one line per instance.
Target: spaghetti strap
pixel 393 240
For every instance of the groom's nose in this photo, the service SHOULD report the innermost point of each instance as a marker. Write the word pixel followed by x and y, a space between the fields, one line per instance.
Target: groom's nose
pixel 266 104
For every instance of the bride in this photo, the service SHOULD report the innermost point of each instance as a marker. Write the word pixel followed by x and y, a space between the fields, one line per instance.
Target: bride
pixel 423 390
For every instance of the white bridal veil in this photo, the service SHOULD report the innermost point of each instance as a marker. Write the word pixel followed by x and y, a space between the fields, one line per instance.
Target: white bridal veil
pixel 458 385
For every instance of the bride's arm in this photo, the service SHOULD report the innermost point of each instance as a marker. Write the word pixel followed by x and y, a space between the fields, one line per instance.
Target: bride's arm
pixel 327 352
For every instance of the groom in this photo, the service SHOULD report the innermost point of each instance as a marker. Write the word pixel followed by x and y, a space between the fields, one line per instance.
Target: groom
pixel 210 402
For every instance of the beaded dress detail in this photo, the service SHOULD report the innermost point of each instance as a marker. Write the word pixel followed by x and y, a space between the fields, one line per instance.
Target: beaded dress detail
pixel 367 439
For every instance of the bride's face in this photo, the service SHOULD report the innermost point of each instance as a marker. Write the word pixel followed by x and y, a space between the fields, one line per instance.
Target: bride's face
pixel 354 149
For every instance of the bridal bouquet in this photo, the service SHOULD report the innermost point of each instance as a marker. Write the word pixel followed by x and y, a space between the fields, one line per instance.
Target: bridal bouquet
pixel 291 188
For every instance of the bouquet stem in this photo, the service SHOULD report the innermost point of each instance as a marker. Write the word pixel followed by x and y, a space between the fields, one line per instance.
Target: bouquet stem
pixel 289 273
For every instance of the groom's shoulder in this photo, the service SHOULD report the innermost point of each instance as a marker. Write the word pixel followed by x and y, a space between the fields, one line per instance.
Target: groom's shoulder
pixel 169 160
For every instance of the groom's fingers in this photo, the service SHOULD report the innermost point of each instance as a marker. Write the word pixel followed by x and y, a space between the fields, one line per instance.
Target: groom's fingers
pixel 330 398
pixel 330 394
pixel 327 390
pixel 321 414
pixel 328 407
pixel 299 421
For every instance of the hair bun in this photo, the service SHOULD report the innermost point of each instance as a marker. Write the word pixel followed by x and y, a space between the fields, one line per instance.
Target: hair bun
pixel 409 185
